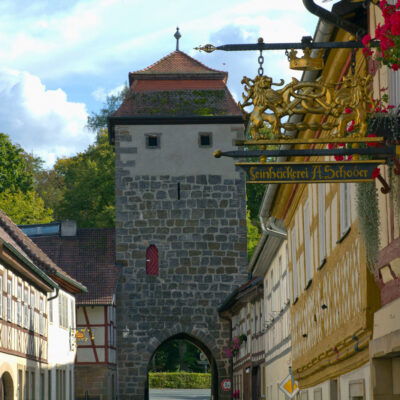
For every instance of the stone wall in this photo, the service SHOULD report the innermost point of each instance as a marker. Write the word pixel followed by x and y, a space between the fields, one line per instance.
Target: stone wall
pixel 199 228
pixel 96 380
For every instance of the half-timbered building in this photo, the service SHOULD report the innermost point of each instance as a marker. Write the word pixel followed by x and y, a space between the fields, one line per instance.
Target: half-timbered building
pixel 333 295
pixel 270 262
pixel 36 356
pixel 88 255
pixel 385 344
pixel 244 308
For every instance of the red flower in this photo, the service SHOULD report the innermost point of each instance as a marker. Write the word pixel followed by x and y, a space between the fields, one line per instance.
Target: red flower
pixel 331 146
pixel 391 106
pixel 367 52
pixel 349 158
pixel 338 158
pixel 366 39
pixel 348 110
pixel 341 144
pixel 375 173
pixel 395 67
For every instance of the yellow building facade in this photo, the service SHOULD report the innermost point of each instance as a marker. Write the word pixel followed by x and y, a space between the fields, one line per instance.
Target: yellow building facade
pixel 333 294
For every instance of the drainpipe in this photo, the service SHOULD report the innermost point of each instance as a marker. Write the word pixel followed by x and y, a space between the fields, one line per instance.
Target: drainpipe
pixel 334 19
pixel 231 358
pixel 55 296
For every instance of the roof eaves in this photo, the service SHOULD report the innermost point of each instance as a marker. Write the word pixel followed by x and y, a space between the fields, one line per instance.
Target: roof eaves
pixel 71 281
pixel 30 265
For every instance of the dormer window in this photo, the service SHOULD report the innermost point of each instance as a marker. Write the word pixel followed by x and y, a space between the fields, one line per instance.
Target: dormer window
pixel 205 139
pixel 152 140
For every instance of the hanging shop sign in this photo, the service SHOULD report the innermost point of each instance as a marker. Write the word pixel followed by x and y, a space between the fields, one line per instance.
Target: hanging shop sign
pixel 312 172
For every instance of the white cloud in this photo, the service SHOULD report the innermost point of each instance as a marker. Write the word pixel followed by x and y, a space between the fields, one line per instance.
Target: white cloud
pixel 100 94
pixel 40 120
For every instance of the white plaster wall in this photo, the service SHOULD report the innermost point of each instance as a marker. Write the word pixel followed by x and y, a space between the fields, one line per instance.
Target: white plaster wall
pixel 176 142
pixel 275 373
pixel 361 373
pixel 60 354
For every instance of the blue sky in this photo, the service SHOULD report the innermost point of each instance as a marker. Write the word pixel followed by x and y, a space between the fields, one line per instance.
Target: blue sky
pixel 60 58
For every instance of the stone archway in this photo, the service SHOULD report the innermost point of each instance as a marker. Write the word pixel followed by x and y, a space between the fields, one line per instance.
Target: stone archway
pixel 204 348
pixel 6 387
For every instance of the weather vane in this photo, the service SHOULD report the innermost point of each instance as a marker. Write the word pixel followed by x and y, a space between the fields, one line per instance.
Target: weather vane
pixel 177 36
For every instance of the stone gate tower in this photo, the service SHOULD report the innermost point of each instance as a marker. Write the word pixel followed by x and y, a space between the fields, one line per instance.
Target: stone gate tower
pixel 180 216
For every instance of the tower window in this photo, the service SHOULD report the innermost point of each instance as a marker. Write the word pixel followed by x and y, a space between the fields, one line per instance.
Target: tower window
pixel 152 260
pixel 153 140
pixel 205 139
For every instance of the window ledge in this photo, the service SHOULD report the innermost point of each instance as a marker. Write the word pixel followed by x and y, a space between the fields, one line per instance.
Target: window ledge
pixel 323 262
pixel 344 235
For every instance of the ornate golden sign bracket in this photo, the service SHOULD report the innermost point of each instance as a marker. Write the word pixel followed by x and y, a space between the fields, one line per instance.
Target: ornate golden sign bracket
pixel 352 101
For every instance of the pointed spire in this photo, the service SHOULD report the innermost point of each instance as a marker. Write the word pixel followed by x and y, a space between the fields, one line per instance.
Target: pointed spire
pixel 177 36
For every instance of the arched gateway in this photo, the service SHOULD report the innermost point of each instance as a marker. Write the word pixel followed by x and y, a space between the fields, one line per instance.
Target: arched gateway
pixel 205 348
pixel 180 215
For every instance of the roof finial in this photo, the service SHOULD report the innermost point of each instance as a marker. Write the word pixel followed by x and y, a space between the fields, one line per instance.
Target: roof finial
pixel 177 36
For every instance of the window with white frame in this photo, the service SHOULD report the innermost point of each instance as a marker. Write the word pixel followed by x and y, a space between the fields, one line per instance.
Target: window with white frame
pixel 307 245
pixel 32 311
pixel 63 310
pixel 345 217
pixel 26 309
pixel 321 221
pixel 51 311
pixel 294 264
pixel 41 316
pixel 19 304
pixel 9 299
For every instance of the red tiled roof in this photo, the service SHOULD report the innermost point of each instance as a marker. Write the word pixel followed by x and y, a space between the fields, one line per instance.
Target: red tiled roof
pixel 177 86
pixel 89 257
pixel 178 62
pixel 12 234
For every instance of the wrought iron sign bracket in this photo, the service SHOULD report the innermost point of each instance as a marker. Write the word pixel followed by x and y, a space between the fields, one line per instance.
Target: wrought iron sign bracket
pixel 306 43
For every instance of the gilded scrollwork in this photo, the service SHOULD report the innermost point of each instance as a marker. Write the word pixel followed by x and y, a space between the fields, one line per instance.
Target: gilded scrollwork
pixel 349 101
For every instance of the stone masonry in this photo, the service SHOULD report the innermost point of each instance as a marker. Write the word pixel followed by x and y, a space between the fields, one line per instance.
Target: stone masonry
pixel 201 239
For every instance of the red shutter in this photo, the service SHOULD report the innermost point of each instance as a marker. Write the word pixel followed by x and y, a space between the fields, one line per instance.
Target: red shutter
pixel 152 260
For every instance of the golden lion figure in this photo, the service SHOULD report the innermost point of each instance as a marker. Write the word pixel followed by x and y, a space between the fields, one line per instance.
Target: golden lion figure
pixel 306 97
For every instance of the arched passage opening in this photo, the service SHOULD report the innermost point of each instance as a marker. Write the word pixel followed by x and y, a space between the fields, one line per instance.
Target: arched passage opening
pixel 184 344
pixel 6 387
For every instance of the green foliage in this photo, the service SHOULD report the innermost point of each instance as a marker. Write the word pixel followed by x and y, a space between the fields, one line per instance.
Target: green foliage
pixel 15 172
pixel 368 215
pixel 87 191
pixel 25 208
pixel 255 193
pixel 179 380
pixel 177 355
pixel 97 121
pixel 253 236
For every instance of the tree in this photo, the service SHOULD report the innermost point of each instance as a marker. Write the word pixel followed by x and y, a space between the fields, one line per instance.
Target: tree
pixel 98 121
pixel 88 185
pixel 15 172
pixel 252 236
pixel 25 208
